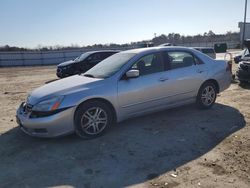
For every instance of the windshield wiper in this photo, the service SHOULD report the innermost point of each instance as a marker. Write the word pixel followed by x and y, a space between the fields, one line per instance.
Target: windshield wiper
pixel 89 75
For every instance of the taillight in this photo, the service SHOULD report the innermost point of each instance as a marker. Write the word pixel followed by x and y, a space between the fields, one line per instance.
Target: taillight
pixel 229 66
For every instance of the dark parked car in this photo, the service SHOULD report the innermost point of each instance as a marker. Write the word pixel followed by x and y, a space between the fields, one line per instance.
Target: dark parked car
pixel 82 63
pixel 245 54
pixel 243 72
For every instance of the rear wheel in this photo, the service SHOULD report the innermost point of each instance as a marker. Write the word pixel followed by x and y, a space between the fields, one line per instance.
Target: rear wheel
pixel 206 96
pixel 92 119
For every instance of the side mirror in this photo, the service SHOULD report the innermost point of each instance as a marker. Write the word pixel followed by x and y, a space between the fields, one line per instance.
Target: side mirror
pixel 133 73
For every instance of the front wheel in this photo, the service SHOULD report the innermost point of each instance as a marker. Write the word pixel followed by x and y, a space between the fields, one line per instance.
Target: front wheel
pixel 206 96
pixel 92 119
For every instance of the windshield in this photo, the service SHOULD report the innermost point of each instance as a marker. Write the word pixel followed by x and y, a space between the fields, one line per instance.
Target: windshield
pixel 245 53
pixel 109 66
pixel 82 57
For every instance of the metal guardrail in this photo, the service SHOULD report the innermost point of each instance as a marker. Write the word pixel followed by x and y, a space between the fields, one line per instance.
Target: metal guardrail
pixel 8 59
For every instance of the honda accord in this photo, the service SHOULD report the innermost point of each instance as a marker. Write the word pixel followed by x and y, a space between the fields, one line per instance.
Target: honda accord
pixel 125 85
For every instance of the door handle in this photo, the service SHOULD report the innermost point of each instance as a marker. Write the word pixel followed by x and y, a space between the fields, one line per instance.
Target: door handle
pixel 200 71
pixel 163 79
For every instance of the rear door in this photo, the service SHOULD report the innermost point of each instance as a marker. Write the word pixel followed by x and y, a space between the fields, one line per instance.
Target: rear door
pixel 187 74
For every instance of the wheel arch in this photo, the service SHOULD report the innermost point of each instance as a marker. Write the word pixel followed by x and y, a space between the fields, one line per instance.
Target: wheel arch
pixel 108 103
pixel 214 82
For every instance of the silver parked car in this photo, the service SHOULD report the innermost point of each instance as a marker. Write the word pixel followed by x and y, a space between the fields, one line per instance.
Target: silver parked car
pixel 125 85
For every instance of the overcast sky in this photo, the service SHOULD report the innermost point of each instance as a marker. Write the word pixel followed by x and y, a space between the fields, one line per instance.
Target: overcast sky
pixel 27 23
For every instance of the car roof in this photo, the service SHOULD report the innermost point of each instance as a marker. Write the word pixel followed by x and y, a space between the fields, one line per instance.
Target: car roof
pixel 154 49
pixel 203 48
pixel 98 51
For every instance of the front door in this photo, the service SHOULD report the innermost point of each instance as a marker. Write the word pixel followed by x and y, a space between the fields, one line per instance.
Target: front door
pixel 149 90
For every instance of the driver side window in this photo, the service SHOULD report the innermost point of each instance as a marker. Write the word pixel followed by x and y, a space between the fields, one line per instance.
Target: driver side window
pixel 149 64
pixel 94 58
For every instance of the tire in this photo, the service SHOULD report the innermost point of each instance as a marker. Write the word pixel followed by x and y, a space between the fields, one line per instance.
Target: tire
pixel 206 96
pixel 243 82
pixel 92 119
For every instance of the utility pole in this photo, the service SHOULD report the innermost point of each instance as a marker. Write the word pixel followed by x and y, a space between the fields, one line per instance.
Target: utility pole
pixel 244 25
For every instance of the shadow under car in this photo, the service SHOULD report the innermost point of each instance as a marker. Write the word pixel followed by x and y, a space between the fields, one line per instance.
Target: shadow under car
pixel 130 153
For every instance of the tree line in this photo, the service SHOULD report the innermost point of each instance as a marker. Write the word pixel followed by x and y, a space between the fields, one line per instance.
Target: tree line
pixel 172 38
pixel 176 38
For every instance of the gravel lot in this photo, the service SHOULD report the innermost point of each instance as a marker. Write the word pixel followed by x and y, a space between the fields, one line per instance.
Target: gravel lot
pixel 182 147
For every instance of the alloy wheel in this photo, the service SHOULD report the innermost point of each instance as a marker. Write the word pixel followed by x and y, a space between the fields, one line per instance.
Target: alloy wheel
pixel 94 120
pixel 208 95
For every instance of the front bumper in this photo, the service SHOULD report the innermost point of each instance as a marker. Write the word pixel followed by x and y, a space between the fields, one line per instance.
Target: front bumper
pixel 62 73
pixel 59 75
pixel 59 124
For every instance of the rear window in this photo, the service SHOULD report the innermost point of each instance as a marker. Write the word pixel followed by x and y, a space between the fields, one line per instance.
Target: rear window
pixel 179 59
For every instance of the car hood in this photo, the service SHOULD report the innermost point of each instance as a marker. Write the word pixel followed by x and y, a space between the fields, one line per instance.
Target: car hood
pixel 62 87
pixel 66 63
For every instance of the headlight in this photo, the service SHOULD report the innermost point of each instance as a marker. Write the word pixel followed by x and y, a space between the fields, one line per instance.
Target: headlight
pixel 48 104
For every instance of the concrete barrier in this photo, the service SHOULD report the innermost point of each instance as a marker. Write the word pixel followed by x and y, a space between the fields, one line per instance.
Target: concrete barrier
pixel 8 59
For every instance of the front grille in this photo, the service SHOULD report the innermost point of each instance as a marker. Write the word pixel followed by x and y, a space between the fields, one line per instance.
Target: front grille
pixel 40 131
pixel 245 66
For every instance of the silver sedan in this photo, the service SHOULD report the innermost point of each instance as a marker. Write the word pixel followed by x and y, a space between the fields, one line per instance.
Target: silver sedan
pixel 128 84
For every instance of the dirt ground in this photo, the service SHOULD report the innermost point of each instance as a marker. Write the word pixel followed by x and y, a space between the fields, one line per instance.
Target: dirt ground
pixel 182 147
